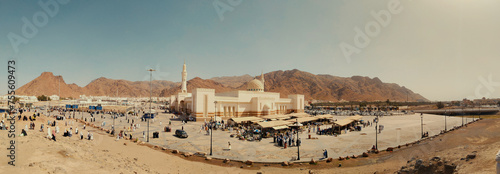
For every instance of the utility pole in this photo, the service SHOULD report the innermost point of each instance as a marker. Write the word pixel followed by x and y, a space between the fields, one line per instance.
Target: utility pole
pixel 150 96
pixel 422 125
pixel 212 126
pixel 445 114
pixel 376 133
pixel 298 144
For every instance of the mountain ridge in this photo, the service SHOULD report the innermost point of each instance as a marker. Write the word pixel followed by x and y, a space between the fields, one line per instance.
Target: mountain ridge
pixel 319 87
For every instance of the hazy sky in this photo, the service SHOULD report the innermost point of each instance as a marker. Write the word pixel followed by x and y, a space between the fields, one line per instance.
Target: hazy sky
pixel 444 50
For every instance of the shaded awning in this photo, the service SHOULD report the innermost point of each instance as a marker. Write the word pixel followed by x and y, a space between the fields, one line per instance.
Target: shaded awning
pixel 299 115
pixel 243 119
pixel 356 117
pixel 324 116
pixel 295 125
pixel 280 127
pixel 269 124
pixel 344 122
pixel 304 119
pixel 279 117
pixel 349 120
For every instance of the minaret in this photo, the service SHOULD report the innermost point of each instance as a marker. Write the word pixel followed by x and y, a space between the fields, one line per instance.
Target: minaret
pixel 262 79
pixel 184 77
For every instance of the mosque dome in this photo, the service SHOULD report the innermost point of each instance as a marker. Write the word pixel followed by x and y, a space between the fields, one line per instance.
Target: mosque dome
pixel 255 85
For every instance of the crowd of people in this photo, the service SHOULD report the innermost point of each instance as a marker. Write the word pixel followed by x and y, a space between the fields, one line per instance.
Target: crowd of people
pixel 286 139
pixel 52 124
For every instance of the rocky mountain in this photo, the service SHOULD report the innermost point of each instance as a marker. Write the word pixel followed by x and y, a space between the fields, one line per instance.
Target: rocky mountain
pixel 233 81
pixel 319 87
pixel 333 88
pixel 48 84
pixel 124 88
pixel 197 83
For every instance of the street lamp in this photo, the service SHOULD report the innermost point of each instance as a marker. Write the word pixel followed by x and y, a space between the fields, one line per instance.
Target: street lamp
pixel 150 94
pixel 114 124
pixel 298 144
pixel 445 113
pixel 74 109
pixel 463 116
pixel 422 124
pixel 479 111
pixel 212 126
pixel 376 133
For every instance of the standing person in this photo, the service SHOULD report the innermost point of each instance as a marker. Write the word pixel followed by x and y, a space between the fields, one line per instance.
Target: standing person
pixel 229 145
pixel 49 136
pixel 325 153
pixel 498 162
pixel 285 142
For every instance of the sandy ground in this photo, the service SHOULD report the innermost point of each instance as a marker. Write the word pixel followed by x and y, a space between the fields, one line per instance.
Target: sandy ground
pixel 398 130
pixel 36 154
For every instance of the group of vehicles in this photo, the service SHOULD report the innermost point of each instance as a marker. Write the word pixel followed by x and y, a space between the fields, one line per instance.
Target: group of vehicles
pixel 179 133
pixel 351 113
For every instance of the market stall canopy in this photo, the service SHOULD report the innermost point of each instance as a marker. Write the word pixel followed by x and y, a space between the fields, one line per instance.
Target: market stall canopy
pixel 243 119
pixel 349 120
pixel 299 115
pixel 304 119
pixel 324 116
pixel 356 117
pixel 296 125
pixel 278 117
pixel 344 122
pixel 269 124
pixel 280 127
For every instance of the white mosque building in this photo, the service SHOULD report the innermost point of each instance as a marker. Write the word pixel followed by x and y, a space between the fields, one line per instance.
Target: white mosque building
pixel 202 103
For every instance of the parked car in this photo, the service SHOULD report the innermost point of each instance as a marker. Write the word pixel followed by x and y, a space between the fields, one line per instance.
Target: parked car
pixel 148 116
pixel 181 133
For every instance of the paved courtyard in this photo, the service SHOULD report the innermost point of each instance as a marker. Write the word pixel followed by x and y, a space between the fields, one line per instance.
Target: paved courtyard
pixel 398 130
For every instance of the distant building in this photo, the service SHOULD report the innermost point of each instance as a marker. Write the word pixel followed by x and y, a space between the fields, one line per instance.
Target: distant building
pixel 54 97
pixel 202 103
pixel 487 102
